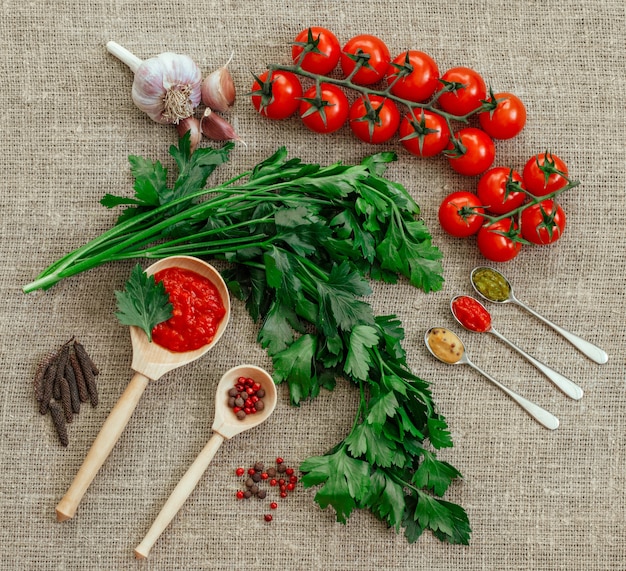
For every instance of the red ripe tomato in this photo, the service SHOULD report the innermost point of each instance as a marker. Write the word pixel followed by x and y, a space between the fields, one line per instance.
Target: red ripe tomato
pixel 496 246
pixel 544 173
pixel 426 136
pixel 472 153
pixel 375 56
pixel 276 96
pixel 508 118
pixel 321 50
pixel 465 99
pixel 543 223
pixel 324 111
pixel 374 119
pixel 497 190
pixel 413 76
pixel 460 214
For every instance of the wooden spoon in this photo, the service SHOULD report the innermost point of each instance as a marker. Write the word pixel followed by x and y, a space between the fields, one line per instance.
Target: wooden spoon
pixel 225 426
pixel 150 362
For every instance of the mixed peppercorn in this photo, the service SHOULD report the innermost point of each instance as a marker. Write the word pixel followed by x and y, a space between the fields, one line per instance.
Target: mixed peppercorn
pixel 279 476
pixel 246 397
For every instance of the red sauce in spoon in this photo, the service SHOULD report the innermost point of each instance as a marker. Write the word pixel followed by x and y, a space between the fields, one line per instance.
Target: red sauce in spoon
pixel 471 314
pixel 198 310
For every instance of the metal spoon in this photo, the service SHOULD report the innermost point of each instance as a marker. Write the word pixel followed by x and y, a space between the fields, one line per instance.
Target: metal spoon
pixel 588 349
pixel 225 426
pixel 541 415
pixel 149 362
pixel 570 388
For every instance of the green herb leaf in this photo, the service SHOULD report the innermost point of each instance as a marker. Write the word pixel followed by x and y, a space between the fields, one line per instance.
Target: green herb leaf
pixel 435 475
pixel 144 302
pixel 345 481
pixel 358 359
pixel 296 366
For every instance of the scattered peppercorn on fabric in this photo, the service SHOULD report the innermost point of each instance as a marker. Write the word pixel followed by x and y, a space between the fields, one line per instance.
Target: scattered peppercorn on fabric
pixel 536 499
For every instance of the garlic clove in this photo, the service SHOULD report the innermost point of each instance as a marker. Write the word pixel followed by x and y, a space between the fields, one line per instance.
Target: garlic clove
pixel 218 89
pixel 190 124
pixel 215 127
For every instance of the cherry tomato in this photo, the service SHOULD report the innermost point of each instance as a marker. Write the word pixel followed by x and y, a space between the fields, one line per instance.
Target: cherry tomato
pixel 413 76
pixel 544 173
pixel 543 223
pixel 497 190
pixel 465 99
pixel 276 96
pixel 496 247
pixel 460 214
pixel 473 153
pixel 425 136
pixel 321 47
pixel 508 118
pixel 324 111
pixel 375 55
pixel 374 119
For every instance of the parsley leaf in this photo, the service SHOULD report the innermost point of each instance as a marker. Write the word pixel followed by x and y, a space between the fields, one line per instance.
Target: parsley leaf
pixel 345 481
pixel 144 302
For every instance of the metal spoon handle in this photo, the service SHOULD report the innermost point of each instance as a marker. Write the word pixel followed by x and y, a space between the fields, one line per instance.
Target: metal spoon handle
pixel 541 415
pixel 570 388
pixel 585 347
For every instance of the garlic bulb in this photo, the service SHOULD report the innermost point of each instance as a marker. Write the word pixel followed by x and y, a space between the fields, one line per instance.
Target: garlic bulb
pixel 166 87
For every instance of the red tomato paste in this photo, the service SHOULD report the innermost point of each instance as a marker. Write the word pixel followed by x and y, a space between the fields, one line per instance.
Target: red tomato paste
pixel 197 312
pixel 471 314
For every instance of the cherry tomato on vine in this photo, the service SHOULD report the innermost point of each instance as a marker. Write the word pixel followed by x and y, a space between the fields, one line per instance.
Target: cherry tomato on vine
pixel 508 118
pixel 544 173
pixel 326 110
pixel 321 50
pixel 424 134
pixel 496 246
pixel 466 99
pixel 497 190
pixel 374 119
pixel 277 95
pixel 472 153
pixel 413 75
pixel 460 214
pixel 543 223
pixel 373 53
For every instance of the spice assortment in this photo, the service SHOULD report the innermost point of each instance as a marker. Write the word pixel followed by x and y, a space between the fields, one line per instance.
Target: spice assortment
pixel 258 478
pixel 246 397
pixel 65 379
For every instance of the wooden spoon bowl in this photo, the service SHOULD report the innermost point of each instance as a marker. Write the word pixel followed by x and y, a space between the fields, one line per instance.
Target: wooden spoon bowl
pixel 150 362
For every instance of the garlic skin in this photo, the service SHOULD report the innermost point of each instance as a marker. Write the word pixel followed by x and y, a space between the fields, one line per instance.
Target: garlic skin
pixel 193 125
pixel 215 127
pixel 218 90
pixel 167 87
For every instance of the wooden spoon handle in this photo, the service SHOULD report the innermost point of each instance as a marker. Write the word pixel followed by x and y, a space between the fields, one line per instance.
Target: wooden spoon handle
pixel 180 494
pixel 103 444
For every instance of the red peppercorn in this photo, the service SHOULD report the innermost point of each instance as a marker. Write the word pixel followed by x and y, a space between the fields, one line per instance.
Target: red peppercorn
pixel 239 387
pixel 279 460
pixel 273 505
pixel 283 494
pixel 240 495
pixel 283 488
pixel 293 479
pixel 289 471
pixel 281 481
pixel 250 390
pixel 264 476
pixel 256 386
pixel 240 471
pixel 273 482
pixel 236 409
pixel 254 398
pixel 267 517
pixel 290 486
pixel 251 471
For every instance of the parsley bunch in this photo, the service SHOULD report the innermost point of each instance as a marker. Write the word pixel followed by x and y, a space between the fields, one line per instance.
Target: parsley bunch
pixel 301 240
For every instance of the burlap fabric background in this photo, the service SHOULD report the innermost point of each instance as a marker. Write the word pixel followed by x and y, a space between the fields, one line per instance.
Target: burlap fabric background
pixel 536 499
